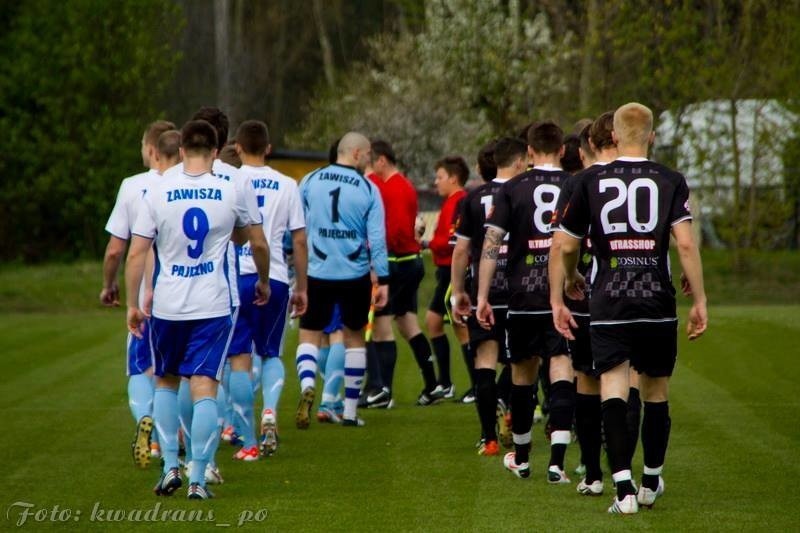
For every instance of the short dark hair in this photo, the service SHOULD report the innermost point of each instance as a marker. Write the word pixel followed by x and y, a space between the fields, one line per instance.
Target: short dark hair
pixel 218 119
pixel 545 137
pixel 523 132
pixel 198 136
pixel 600 132
pixel 585 146
pixel 333 151
pixel 571 162
pixel 228 155
pixel 486 165
pixel 169 144
pixel 155 129
pixel 454 165
pixel 507 150
pixel 253 137
pixel 380 147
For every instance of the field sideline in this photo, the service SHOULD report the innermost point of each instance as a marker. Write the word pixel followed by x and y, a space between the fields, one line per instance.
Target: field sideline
pixel 732 462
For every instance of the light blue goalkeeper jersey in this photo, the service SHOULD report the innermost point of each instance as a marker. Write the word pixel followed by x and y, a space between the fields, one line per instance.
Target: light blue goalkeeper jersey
pixel 344 224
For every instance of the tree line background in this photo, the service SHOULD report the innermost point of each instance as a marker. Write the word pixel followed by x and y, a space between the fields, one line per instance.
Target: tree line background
pixel 80 80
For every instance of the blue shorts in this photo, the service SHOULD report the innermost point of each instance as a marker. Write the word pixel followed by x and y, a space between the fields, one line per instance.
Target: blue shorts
pixel 140 358
pixel 190 347
pixel 336 322
pixel 260 326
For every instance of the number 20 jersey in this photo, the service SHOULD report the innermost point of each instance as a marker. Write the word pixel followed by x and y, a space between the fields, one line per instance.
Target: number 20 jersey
pixel 628 208
pixel 191 219
pixel 524 208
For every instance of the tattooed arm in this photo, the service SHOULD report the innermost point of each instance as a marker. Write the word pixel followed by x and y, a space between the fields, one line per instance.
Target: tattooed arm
pixel 491 250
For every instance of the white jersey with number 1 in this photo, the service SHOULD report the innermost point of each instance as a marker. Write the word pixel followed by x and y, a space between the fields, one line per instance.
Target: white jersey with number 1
pixel 191 218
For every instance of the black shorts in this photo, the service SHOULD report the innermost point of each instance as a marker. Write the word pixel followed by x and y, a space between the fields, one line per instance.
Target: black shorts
pixel 533 335
pixel 651 347
pixel 478 335
pixel 438 304
pixel 353 296
pixel 404 279
pixel 580 350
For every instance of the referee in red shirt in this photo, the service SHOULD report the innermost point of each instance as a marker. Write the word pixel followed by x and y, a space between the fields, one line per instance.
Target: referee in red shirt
pixel 406 271
pixel 451 175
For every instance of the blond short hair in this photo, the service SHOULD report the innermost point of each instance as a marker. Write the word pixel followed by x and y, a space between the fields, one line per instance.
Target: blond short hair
pixel 633 124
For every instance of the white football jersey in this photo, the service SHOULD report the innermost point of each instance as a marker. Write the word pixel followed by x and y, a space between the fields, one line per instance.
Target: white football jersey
pixel 191 219
pixel 278 200
pixel 228 173
pixel 129 199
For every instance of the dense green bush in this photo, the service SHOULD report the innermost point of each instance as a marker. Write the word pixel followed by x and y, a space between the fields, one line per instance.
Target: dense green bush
pixel 79 81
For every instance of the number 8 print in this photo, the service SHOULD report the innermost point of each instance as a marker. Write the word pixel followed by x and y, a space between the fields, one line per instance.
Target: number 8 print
pixel 195 226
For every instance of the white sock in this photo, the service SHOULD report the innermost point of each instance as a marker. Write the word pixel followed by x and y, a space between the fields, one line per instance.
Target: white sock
pixel 306 361
pixel 355 364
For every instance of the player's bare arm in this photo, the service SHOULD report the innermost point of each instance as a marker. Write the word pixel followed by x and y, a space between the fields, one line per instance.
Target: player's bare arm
pixel 109 295
pixel 574 284
pixel 134 270
pixel 299 299
pixel 692 266
pixel 149 269
pixel 462 306
pixel 562 316
pixel 260 248
pixel 491 250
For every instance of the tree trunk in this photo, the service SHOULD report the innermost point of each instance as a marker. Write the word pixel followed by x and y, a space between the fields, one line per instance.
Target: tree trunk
pixel 324 44
pixel 588 84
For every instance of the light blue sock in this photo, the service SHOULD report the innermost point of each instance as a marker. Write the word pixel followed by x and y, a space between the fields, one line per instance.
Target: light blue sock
pixel 241 394
pixel 322 360
pixel 185 407
pixel 204 433
pixel 256 373
pixel 221 401
pixel 226 402
pixel 272 378
pixel 165 415
pixel 140 396
pixel 334 374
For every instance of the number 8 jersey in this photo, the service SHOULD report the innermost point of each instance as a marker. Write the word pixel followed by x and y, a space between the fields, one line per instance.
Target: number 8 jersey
pixel 523 207
pixel 191 218
pixel 628 207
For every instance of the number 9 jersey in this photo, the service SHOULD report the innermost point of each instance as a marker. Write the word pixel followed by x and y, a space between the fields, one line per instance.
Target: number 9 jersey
pixel 628 208
pixel 191 218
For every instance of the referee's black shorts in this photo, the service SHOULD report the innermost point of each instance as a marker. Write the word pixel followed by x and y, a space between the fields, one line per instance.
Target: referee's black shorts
pixel 405 275
pixel 353 296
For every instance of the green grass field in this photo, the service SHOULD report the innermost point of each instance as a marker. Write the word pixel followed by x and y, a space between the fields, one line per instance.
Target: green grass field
pixel 732 462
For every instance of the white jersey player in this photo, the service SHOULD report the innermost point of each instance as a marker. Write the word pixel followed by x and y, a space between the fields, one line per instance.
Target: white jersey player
pixel 191 217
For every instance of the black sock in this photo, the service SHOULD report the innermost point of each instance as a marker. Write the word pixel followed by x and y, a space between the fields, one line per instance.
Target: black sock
pixel 504 385
pixel 422 353
pixel 387 354
pixel 634 418
pixel 655 436
pixel 469 360
pixel 587 425
pixel 543 383
pixel 486 401
pixel 522 420
pixel 616 431
pixel 562 410
pixel 441 347
pixel 374 380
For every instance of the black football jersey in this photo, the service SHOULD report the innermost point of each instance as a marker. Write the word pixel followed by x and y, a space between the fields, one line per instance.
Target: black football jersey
pixel 585 261
pixel 524 208
pixel 475 207
pixel 628 209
